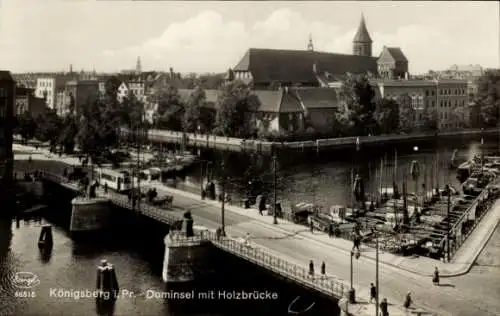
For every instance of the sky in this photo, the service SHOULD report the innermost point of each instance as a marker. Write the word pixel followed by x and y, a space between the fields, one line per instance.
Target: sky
pixel 49 35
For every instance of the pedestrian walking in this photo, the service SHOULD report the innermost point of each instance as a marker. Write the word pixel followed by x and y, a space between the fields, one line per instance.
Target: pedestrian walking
pixel 330 230
pixel 218 233
pixel 323 269
pixel 356 242
pixel 435 277
pixel 384 308
pixel 408 301
pixel 373 293
pixel 311 268
pixel 311 225
pixel 106 187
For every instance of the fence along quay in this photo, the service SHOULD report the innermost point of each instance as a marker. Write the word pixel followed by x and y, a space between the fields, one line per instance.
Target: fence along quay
pixel 327 285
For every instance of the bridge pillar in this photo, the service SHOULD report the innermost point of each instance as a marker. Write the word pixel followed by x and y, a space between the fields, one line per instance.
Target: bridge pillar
pixel 186 258
pixel 89 214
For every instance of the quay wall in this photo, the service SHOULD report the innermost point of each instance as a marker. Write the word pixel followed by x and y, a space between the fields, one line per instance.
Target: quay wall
pixel 242 145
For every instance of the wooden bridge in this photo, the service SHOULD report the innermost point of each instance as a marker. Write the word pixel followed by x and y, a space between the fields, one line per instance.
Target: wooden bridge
pixel 327 285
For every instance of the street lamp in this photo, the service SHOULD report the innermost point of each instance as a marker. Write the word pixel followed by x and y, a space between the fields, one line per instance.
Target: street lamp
pixel 275 219
pixel 377 231
pixel 352 291
pixel 223 225
pixel 448 205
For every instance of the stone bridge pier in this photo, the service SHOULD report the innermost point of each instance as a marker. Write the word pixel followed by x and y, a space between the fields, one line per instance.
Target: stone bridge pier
pixel 188 256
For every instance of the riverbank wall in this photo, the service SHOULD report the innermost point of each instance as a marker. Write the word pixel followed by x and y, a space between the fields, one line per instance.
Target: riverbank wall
pixel 247 145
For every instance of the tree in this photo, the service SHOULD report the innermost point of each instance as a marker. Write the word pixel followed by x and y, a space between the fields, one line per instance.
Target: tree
pixel 429 120
pixel 235 106
pixel 357 94
pixel 170 111
pixel 192 112
pixel 406 114
pixel 69 130
pixel 48 127
pixel 89 138
pixel 26 126
pixel 488 98
pixel 387 116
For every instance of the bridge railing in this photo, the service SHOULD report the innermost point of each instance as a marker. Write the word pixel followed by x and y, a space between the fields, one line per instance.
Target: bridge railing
pixel 322 283
pixel 461 236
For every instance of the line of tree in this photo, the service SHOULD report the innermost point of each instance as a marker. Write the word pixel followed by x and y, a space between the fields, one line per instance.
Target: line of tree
pixel 95 130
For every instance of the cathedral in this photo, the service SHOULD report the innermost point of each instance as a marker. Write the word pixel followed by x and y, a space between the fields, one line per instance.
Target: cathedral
pixel 270 68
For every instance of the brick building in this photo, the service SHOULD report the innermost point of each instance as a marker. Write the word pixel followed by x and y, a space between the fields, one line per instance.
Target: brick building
pixel 26 101
pixel 79 94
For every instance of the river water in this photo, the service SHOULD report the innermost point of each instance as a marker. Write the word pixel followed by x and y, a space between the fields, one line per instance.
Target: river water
pixel 135 246
pixel 324 178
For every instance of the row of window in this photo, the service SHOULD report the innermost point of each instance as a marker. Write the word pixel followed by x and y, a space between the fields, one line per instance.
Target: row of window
pixel 45 83
pixel 453 92
pixel 448 103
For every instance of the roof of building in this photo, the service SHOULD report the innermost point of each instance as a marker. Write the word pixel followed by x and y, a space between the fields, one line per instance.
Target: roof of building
pixel 278 101
pixel 5 76
pixel 24 91
pixel 318 98
pixel 362 35
pixel 395 53
pixel 210 96
pixel 296 66
pixel 405 83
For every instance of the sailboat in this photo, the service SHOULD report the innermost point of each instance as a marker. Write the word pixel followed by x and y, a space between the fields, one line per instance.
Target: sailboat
pixel 453 160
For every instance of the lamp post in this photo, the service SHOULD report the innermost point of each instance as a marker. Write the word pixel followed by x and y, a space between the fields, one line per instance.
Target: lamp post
pixel 482 151
pixel 377 232
pixel 275 218
pixel 448 192
pixel 223 225
pixel 352 291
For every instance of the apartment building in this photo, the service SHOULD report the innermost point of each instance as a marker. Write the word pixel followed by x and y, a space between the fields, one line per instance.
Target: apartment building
pixel 47 87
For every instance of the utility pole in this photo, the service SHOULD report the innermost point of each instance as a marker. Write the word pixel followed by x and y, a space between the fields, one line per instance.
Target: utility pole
pixel 275 219
pixel 223 225
pixel 482 152
pixel 448 191
pixel 376 274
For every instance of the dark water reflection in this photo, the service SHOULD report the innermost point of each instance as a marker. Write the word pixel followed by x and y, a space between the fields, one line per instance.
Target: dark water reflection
pixel 325 177
pixel 135 247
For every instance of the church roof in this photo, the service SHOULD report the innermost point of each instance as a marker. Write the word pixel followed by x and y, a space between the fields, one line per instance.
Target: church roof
pixel 362 35
pixel 296 66
pixel 394 53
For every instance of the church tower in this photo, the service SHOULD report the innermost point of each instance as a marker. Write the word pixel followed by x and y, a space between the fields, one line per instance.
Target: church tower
pixel 362 42
pixel 138 67
pixel 310 46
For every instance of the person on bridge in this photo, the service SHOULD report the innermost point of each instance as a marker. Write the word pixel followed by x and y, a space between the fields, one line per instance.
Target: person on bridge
pixel 323 269
pixel 408 301
pixel 311 268
pixel 373 293
pixel 384 311
pixel 435 278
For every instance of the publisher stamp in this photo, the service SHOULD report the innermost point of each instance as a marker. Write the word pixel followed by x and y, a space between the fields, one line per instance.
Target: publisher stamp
pixel 25 283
